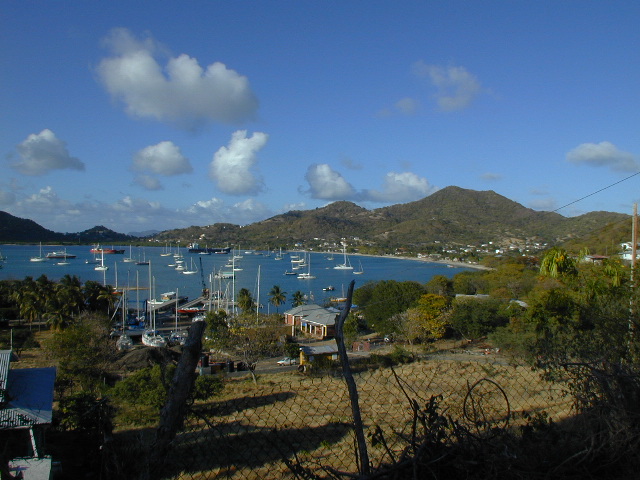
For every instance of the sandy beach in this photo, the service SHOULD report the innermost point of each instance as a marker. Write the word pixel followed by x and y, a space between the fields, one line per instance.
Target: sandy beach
pixel 453 263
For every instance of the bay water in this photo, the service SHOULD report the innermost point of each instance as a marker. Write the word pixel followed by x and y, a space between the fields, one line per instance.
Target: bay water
pixel 257 271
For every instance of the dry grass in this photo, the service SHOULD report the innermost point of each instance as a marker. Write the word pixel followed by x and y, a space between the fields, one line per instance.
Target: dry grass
pixel 250 430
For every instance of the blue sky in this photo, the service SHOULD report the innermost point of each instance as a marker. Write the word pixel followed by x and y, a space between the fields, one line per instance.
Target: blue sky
pixel 157 115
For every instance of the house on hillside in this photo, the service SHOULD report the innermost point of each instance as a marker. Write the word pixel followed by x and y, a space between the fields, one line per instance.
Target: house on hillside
pixel 310 354
pixel 312 320
pixel 26 407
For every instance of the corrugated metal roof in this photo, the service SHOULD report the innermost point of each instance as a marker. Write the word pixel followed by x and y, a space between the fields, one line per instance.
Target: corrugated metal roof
pixel 29 397
pixel 314 314
pixel 320 349
pixel 5 360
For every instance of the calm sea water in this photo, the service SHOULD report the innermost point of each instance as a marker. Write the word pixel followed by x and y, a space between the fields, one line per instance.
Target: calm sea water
pixel 259 271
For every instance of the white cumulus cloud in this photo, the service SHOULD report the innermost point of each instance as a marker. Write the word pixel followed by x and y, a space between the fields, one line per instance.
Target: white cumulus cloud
pixel 212 205
pixel 181 92
pixel 165 158
pixel 400 187
pixel 327 184
pixel 457 88
pixel 248 210
pixel 603 154
pixel 233 166
pixel 42 152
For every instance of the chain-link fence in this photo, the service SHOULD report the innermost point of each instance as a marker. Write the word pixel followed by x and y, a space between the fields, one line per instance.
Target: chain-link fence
pixel 292 425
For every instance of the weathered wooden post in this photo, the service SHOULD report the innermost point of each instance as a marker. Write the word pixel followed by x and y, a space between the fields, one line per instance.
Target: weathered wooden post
pixel 173 412
pixel 351 385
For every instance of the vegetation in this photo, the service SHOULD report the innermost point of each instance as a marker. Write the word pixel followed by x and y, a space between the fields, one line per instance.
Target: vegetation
pixel 277 297
pixel 453 216
pixel 573 320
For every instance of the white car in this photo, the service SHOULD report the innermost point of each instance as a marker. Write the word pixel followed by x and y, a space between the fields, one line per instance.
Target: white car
pixel 287 361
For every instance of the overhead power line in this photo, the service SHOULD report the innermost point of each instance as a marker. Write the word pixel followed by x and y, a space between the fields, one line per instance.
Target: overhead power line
pixel 597 191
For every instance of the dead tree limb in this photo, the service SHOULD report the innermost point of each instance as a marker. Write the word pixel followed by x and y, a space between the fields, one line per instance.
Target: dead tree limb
pixel 351 384
pixel 173 412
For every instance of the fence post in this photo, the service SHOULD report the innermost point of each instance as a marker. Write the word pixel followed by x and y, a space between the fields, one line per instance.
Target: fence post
pixel 351 384
pixel 173 412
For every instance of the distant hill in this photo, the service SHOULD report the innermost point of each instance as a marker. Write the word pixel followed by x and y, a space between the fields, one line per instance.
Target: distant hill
pixel 15 229
pixel 452 215
pixel 21 230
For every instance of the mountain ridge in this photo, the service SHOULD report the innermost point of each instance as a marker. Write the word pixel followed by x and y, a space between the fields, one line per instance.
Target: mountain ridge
pixel 451 215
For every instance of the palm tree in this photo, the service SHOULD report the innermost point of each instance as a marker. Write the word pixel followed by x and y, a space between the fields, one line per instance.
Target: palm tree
pixel 69 296
pixel 557 263
pixel 245 300
pixel 29 299
pixel 277 297
pixel 297 299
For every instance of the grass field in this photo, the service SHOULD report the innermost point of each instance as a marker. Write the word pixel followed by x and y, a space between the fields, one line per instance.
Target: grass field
pixel 250 430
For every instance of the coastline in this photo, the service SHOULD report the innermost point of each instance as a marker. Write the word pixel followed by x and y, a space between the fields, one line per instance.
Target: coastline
pixel 452 263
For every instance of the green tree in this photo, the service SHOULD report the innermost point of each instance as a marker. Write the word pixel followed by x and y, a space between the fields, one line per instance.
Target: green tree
pixel 297 298
pixel 245 300
pixel 440 285
pixel 430 313
pixel 98 297
pixel 27 296
pixel 477 317
pixel 558 263
pixel 379 301
pixel 84 351
pixel 469 283
pixel 217 323
pixel 277 297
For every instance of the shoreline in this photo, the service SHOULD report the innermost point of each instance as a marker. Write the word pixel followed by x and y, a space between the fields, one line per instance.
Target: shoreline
pixel 451 263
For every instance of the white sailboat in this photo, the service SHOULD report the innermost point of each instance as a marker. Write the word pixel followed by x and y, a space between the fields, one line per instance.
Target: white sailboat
pixel 150 337
pixel 345 265
pixel 39 258
pixel 65 258
pixel 130 258
pixel 191 270
pixel 102 267
pixel 359 272
pixel 307 275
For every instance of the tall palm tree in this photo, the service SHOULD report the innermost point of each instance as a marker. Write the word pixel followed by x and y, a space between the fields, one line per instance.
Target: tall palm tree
pixel 245 300
pixel 29 299
pixel 297 299
pixel 70 295
pixel 277 297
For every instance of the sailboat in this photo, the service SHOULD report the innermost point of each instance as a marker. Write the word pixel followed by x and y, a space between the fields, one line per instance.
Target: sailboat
pixel 151 337
pixel 359 272
pixel 191 270
pixel 345 265
pixel 307 276
pixel 102 267
pixel 144 260
pixel 39 258
pixel 124 341
pixel 129 259
pixel 63 256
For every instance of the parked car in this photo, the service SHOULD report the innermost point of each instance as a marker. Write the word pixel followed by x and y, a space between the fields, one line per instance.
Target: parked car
pixel 287 361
